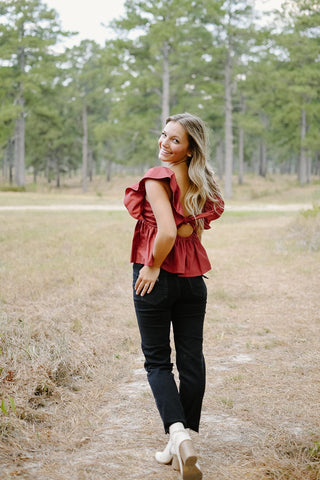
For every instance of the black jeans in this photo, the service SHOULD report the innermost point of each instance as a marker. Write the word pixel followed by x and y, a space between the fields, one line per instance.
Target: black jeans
pixel 180 301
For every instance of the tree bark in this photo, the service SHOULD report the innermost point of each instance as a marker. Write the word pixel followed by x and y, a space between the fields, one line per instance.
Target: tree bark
pixel 262 158
pixel 219 154
pixel 241 145
pixel 19 136
pixel 240 155
pixel 85 148
pixel 317 164
pixel 19 172
pixel 302 167
pixel 90 162
pixel 5 165
pixel 8 161
pixel 309 168
pixel 58 184
pixel 165 110
pixel 228 128
pixel 108 170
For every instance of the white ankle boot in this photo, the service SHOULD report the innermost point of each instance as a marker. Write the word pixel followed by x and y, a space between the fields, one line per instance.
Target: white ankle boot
pixel 166 455
pixel 179 451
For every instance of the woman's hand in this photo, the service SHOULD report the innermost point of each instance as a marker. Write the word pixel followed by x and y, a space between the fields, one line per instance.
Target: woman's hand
pixel 146 280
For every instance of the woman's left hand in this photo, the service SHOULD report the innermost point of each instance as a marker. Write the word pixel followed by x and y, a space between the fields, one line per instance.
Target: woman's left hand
pixel 146 280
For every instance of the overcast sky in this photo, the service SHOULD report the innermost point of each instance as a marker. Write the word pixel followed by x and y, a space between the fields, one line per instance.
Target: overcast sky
pixel 86 17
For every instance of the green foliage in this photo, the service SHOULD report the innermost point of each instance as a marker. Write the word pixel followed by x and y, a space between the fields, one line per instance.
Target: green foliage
pixel 12 404
pixel 3 407
pixel 314 451
pixel 12 188
pixel 311 212
pixel 122 86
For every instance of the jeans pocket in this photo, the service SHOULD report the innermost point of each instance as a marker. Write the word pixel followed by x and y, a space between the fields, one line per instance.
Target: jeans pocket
pixel 198 287
pixel 159 293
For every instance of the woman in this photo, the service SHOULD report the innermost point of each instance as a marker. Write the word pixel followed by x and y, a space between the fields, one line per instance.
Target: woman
pixel 173 205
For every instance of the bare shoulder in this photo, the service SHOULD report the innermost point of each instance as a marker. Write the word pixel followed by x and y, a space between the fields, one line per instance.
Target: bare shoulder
pixel 158 195
pixel 157 188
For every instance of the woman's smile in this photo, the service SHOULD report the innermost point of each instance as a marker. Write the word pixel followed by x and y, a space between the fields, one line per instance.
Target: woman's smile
pixel 174 144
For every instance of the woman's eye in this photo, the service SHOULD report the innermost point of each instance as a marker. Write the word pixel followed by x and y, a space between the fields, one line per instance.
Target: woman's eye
pixel 176 140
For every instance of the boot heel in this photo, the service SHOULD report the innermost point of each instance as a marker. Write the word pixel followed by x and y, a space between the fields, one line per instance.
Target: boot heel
pixel 187 453
pixel 184 452
pixel 175 463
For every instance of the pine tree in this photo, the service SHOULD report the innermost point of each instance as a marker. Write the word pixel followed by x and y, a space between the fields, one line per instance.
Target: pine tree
pixel 27 33
pixel 298 78
pixel 165 43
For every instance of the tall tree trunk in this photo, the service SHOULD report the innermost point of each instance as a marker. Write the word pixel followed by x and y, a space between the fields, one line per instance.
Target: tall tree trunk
pixel 19 172
pixel 11 160
pixel 228 128
pixel 58 174
pixel 262 158
pixel 317 171
pixel 255 160
pixel 8 160
pixel 85 148
pixel 309 168
pixel 19 136
pixel 241 144
pixel 4 168
pixel 165 110
pixel 108 170
pixel 302 166
pixel 47 169
pixel 263 147
pixel 241 155
pixel 90 160
pixel 219 154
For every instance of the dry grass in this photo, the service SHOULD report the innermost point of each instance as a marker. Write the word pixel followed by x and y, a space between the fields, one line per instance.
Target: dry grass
pixel 281 189
pixel 75 400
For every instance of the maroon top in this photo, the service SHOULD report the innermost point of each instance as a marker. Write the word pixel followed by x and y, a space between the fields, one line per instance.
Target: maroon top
pixel 188 257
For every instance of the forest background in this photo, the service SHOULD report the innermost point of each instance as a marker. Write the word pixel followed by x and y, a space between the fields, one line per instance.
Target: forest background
pixel 92 108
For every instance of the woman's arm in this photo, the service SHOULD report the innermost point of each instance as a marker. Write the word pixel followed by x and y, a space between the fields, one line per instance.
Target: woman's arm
pixel 158 197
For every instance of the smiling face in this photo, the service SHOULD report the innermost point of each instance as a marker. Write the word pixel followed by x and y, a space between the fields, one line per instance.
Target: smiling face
pixel 174 144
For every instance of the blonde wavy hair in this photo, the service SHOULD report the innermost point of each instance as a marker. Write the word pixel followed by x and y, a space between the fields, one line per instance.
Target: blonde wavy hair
pixel 203 185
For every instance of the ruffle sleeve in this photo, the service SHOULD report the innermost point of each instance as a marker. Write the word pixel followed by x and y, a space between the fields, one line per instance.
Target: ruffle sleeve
pixel 134 199
pixel 212 211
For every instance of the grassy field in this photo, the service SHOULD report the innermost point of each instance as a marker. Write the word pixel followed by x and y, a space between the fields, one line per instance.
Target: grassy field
pixel 75 404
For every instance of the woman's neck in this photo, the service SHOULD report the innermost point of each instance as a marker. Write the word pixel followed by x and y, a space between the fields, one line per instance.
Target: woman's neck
pixel 175 164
